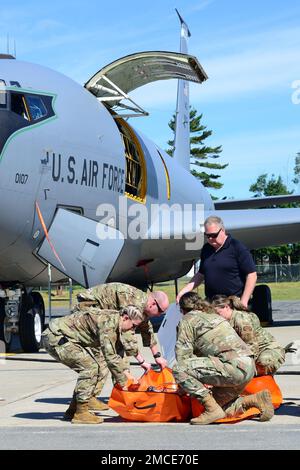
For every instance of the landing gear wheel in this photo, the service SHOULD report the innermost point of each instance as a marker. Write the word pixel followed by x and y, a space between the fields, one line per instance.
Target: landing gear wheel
pixel 261 303
pixel 31 324
pixel 5 336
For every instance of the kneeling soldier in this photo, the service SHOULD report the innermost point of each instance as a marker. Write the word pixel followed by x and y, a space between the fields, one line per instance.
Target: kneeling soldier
pixel 214 364
pixel 69 340
pixel 269 355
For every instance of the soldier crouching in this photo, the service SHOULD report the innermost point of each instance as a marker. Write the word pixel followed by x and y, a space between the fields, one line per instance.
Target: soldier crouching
pixel 269 355
pixel 71 340
pixel 214 365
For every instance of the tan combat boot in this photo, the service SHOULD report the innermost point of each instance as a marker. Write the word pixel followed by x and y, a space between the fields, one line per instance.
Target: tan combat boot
pixel 212 412
pixel 69 413
pixel 97 405
pixel 261 400
pixel 83 416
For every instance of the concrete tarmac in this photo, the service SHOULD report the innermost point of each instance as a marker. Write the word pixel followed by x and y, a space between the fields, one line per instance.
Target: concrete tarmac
pixel 36 391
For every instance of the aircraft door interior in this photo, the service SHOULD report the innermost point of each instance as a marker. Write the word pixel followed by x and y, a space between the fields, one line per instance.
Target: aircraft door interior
pixel 136 174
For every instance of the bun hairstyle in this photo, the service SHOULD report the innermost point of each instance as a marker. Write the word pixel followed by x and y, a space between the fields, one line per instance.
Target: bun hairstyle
pixel 191 301
pixel 220 301
pixel 133 313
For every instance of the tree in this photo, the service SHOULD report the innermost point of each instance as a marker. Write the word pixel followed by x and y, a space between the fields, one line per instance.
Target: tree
pixel 271 187
pixel 276 254
pixel 296 179
pixel 200 152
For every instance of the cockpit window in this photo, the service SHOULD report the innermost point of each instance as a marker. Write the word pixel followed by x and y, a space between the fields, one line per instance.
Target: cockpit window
pixel 36 107
pixel 31 107
pixel 22 109
pixel 18 105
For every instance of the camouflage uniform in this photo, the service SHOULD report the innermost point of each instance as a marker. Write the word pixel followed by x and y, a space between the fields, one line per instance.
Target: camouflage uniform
pixel 268 354
pixel 69 340
pixel 209 351
pixel 116 295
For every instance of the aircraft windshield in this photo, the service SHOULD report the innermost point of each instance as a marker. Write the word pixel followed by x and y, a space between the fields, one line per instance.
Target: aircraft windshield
pixel 22 109
pixel 18 105
pixel 31 107
pixel 36 107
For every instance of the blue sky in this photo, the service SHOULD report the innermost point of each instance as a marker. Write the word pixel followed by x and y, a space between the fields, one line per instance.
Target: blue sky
pixel 250 51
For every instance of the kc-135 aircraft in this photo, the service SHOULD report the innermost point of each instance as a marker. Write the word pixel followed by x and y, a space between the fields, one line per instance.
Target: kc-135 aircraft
pixel 74 174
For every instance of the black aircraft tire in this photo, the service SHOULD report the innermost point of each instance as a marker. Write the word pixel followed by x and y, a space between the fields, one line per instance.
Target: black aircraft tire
pixel 39 303
pixel 261 303
pixel 32 324
pixel 4 335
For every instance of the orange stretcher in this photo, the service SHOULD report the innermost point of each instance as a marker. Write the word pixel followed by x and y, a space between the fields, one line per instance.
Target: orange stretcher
pixel 156 399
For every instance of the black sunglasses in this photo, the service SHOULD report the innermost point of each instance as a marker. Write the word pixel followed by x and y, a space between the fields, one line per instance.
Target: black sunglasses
pixel 212 235
pixel 158 307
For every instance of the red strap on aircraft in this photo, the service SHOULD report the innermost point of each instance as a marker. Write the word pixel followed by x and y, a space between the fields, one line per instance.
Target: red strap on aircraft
pixel 47 234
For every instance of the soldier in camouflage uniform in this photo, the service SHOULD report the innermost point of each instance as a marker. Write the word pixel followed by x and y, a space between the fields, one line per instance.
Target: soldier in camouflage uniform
pixel 116 295
pixel 214 364
pixel 71 340
pixel 268 354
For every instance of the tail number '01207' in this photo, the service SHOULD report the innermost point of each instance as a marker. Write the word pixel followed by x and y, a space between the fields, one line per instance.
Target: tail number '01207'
pixel 21 178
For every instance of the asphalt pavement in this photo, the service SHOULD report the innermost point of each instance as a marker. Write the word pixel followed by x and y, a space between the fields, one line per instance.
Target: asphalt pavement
pixel 36 391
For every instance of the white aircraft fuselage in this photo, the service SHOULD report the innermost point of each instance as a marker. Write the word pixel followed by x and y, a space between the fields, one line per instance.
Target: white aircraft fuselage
pixel 83 191
pixel 67 152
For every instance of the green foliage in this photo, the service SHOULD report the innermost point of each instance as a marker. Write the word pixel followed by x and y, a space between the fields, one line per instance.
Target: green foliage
pixel 200 152
pixel 289 253
pixel 296 179
pixel 271 187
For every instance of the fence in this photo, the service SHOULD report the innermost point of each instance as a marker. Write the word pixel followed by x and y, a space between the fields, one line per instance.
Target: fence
pixel 269 272
pixel 278 273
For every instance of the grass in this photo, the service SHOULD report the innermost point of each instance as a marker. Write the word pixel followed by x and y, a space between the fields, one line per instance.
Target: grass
pixel 280 291
pixel 285 290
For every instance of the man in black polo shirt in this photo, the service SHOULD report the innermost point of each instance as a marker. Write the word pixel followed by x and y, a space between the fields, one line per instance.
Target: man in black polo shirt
pixel 226 267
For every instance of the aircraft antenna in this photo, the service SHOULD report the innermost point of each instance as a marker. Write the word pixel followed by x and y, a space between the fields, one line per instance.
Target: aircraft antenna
pixel 7 43
pixel 181 151
pixel 183 22
pixel 15 49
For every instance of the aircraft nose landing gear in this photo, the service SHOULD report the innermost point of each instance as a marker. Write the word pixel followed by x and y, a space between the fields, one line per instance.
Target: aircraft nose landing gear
pixel 23 313
pixel 5 331
pixel 31 325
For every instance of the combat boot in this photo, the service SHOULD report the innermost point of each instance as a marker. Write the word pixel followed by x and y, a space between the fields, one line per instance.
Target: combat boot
pixel 83 416
pixel 261 400
pixel 97 405
pixel 212 412
pixel 69 413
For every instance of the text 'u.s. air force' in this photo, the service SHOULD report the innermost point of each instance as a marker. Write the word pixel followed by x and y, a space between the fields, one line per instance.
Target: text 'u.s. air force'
pixel 86 172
